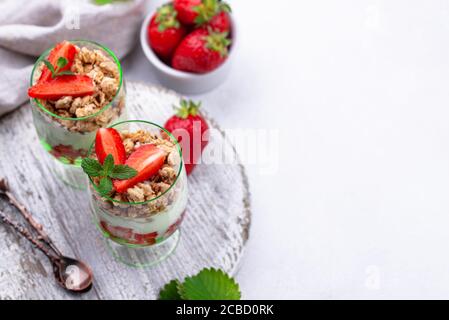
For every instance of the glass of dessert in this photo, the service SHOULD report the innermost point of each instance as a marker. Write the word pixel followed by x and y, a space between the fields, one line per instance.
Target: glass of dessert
pixel 138 190
pixel 76 88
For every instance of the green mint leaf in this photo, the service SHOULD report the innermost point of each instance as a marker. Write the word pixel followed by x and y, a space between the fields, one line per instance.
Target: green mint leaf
pixel 91 167
pixel 103 2
pixel 170 291
pixel 105 186
pixel 62 62
pixel 65 73
pixel 122 172
pixel 210 284
pixel 50 67
pixel 108 164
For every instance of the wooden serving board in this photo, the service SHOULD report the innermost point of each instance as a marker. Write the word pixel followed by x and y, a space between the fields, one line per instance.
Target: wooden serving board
pixel 213 233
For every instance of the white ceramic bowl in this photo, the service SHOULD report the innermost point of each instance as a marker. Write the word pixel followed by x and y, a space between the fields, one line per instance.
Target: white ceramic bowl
pixel 185 82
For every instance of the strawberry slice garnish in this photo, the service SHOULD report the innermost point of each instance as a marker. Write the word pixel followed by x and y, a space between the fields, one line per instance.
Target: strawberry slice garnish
pixel 62 50
pixel 147 160
pixel 108 141
pixel 75 86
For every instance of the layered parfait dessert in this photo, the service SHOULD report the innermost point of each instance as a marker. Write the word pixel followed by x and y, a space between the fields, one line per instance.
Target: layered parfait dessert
pixel 76 88
pixel 138 183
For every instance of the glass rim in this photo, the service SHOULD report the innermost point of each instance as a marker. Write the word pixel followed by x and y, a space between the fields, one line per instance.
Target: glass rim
pixel 115 59
pixel 181 164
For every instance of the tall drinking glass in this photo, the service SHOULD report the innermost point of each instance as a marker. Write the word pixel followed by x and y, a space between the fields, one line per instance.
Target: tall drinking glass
pixel 143 231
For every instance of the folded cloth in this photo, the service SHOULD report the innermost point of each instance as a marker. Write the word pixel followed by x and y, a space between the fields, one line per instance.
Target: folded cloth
pixel 29 27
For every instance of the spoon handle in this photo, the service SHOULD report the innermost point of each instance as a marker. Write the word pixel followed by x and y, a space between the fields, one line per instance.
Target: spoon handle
pixel 4 188
pixel 26 234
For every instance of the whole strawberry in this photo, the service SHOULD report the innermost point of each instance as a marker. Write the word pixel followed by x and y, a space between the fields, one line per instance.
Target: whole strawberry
pixel 188 122
pixel 165 32
pixel 221 22
pixel 201 51
pixel 202 12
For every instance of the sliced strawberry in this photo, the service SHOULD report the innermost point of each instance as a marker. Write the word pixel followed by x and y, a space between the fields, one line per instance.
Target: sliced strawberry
pixel 108 141
pixel 62 50
pixel 116 231
pixel 75 86
pixel 148 238
pixel 147 160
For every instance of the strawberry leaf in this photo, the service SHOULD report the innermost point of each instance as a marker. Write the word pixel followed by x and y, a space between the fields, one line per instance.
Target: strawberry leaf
pixel 170 291
pixel 166 18
pixel 210 284
pixel 187 108
pixel 122 172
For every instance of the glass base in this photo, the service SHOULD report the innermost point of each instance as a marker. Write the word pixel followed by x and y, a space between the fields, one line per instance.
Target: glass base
pixel 71 175
pixel 144 257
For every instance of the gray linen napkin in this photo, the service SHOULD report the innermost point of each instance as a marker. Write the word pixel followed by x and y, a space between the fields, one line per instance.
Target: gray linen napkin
pixel 29 27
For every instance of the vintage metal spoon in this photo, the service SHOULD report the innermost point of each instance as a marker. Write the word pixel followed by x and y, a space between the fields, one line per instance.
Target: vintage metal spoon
pixel 70 273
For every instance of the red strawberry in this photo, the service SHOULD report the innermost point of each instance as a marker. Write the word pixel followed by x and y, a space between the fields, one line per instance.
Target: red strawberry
pixel 187 120
pixel 221 22
pixel 171 229
pixel 62 50
pixel 116 231
pixel 201 51
pixel 199 12
pixel 147 160
pixel 108 141
pixel 165 32
pixel 186 10
pixel 69 85
pixel 148 238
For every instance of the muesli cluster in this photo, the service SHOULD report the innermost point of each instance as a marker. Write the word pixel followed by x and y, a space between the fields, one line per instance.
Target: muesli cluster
pixel 149 189
pixel 106 79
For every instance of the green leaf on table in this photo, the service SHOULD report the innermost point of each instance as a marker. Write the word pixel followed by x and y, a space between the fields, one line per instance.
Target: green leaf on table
pixel 105 186
pixel 122 172
pixel 210 284
pixel 91 167
pixel 170 291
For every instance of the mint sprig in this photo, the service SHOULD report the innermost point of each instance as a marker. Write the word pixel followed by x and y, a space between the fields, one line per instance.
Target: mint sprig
pixel 103 2
pixel 107 171
pixel 60 64
pixel 208 284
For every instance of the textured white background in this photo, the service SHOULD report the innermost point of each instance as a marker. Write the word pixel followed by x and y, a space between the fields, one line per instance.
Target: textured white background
pixel 359 207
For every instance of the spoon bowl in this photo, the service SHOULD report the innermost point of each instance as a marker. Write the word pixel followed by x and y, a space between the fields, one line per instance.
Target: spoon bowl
pixel 73 275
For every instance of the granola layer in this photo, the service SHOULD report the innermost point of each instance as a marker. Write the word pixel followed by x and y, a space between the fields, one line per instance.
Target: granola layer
pixel 106 78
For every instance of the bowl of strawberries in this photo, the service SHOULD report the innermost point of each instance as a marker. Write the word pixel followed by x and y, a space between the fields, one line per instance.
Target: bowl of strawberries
pixel 190 43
